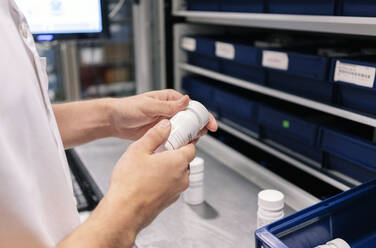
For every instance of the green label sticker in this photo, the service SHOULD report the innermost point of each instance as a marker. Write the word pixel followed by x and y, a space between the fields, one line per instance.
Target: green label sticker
pixel 286 124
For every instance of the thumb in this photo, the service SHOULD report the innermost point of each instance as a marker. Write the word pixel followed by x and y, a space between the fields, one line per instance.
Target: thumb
pixel 155 137
pixel 170 108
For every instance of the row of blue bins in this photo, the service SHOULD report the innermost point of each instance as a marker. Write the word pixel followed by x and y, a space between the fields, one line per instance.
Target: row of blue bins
pixel 298 132
pixel 363 8
pixel 345 82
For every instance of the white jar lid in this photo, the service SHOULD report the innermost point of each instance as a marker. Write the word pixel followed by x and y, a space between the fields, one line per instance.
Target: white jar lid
pixel 201 112
pixel 339 243
pixel 197 165
pixel 271 199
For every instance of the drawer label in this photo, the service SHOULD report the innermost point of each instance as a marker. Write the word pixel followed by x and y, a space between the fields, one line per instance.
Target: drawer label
pixel 224 50
pixel 189 44
pixel 355 74
pixel 275 60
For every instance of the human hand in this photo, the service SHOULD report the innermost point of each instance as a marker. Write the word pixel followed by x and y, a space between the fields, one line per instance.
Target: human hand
pixel 149 182
pixel 133 116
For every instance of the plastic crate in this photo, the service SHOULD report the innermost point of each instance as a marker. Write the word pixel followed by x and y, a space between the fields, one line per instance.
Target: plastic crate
pixel 247 6
pixel 203 5
pixel 306 7
pixel 203 61
pixel 237 109
pixel 351 94
pixel 349 155
pixel 200 90
pixel 350 216
pixel 305 87
pixel 364 8
pixel 290 131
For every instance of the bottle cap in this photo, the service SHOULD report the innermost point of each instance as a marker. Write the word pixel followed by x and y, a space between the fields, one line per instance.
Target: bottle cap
pixel 339 243
pixel 201 112
pixel 271 200
pixel 197 165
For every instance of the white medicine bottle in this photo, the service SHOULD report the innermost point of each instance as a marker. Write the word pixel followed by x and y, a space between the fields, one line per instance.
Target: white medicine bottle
pixel 336 243
pixel 270 207
pixel 186 125
pixel 194 195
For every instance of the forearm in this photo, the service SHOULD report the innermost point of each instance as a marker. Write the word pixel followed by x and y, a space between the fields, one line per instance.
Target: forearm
pixel 84 121
pixel 108 226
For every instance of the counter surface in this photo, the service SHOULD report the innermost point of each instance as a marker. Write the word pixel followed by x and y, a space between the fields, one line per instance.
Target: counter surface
pixel 226 219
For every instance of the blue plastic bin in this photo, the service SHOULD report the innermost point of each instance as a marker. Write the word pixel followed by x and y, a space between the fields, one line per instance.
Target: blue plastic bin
pixel 290 131
pixel 203 5
pixel 247 6
pixel 353 96
pixel 301 7
pixel 351 156
pixel 237 109
pixel 201 91
pixel 246 64
pixel 305 87
pixel 364 8
pixel 350 216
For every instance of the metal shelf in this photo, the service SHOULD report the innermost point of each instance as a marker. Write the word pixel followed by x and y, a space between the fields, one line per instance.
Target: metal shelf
pixel 326 24
pixel 281 95
pixel 314 172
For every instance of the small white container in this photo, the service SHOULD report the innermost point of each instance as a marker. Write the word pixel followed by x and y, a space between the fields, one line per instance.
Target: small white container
pixel 194 195
pixel 270 207
pixel 186 125
pixel 336 243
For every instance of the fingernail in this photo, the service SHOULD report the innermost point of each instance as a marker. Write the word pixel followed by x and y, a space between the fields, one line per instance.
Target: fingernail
pixel 182 100
pixel 164 124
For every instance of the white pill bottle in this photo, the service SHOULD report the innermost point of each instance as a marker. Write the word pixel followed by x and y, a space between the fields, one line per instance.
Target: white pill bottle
pixel 194 195
pixel 186 125
pixel 336 243
pixel 270 207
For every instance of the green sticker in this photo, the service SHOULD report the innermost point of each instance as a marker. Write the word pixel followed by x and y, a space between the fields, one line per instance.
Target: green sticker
pixel 286 124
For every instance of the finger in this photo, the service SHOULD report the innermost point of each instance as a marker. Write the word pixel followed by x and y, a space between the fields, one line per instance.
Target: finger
pixel 188 152
pixel 154 137
pixel 168 108
pixel 212 124
pixel 165 95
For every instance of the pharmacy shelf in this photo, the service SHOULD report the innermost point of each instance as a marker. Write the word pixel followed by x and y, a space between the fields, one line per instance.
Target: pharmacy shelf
pixel 326 24
pixel 281 95
pixel 296 163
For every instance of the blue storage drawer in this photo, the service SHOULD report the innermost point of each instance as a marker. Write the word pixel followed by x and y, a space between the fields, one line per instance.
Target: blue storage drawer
pixel 350 93
pixel 203 5
pixel 305 87
pixel 292 132
pixel 237 109
pixel 306 7
pixel 200 91
pixel 248 73
pixel 364 8
pixel 207 62
pixel 351 156
pixel 248 6
pixel 350 216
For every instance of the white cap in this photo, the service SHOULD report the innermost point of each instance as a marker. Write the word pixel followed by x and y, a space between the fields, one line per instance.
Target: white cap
pixel 271 200
pixel 197 165
pixel 201 112
pixel 339 243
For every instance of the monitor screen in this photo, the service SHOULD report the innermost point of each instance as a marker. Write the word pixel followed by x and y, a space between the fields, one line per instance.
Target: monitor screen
pixel 63 16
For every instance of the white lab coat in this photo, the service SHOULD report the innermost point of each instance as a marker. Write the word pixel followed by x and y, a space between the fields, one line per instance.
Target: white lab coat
pixel 37 207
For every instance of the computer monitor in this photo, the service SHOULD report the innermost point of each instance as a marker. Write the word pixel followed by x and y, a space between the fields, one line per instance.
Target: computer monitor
pixel 65 19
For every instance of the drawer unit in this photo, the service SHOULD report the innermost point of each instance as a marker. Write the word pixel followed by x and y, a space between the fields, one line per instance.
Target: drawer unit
pixel 250 6
pixel 237 109
pixel 364 8
pixel 350 216
pixel 349 155
pixel 356 84
pixel 300 74
pixel 200 90
pixel 290 131
pixel 307 7
pixel 203 5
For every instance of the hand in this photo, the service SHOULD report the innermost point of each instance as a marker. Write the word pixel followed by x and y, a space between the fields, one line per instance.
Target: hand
pixel 151 181
pixel 133 116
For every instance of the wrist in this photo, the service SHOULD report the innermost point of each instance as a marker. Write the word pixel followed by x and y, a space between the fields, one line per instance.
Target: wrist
pixel 109 112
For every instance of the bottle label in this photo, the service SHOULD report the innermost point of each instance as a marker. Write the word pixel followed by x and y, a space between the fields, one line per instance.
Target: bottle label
pixel 224 50
pixel 189 44
pixel 355 74
pixel 275 60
